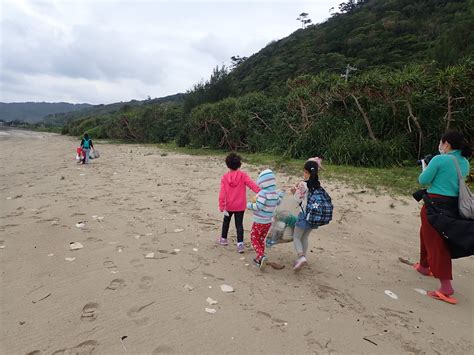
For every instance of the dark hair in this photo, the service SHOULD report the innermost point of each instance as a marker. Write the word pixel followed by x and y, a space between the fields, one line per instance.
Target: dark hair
pixel 457 142
pixel 312 168
pixel 86 136
pixel 233 161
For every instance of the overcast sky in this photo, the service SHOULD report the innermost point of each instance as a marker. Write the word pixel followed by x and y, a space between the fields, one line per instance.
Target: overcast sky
pixel 103 51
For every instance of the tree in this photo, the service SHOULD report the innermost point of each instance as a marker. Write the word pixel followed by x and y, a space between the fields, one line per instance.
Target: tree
pixel 236 61
pixel 303 18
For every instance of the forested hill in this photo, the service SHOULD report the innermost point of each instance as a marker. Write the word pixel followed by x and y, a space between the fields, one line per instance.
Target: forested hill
pixel 365 34
pixel 413 80
pixel 33 112
pixel 60 119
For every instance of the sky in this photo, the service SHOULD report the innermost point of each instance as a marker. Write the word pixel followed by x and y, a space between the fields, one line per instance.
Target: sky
pixel 104 51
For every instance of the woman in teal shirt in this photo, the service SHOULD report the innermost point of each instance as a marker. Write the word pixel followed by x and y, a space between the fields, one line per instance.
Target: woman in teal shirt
pixel 442 179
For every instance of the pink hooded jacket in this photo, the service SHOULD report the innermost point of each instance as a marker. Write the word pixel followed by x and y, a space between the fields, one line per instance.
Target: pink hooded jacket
pixel 232 195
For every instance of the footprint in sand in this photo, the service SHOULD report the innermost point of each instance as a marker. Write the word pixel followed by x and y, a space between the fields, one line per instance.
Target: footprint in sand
pixel 94 239
pixel 163 349
pixel 89 312
pixel 85 348
pixel 136 263
pixel 136 314
pixel 146 282
pixel 116 284
pixel 109 264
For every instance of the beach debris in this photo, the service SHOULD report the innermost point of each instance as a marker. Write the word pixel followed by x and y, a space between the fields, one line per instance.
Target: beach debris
pixel 227 288
pixel 150 256
pixel 54 223
pixel 2 246
pixel 276 266
pixel 51 254
pixel 242 258
pixel 121 341
pixel 115 173
pixel 113 243
pixel 177 250
pixel 211 301
pixel 149 234
pixel 49 294
pixel 188 287
pixel 407 261
pixel 246 264
pixel 210 310
pixel 82 174
pixel 391 294
pixel 75 246
pixel 81 224
pixel 370 341
pixel 195 249
pixel 137 237
pixel 22 322
pixel 62 178
pixel 9 198
pixel 178 230
pixel 70 259
pixel 420 291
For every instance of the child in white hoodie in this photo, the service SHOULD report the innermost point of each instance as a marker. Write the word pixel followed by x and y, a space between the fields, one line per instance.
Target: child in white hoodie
pixel 267 200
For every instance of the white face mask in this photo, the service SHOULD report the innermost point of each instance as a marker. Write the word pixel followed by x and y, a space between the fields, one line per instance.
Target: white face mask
pixel 440 148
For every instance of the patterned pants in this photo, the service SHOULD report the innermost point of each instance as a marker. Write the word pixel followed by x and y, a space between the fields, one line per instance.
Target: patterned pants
pixel 257 237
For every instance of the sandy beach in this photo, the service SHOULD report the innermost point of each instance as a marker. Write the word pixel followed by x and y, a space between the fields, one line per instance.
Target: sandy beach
pixel 108 298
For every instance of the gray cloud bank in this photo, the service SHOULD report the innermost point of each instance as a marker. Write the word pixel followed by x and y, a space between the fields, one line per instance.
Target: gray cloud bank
pixel 107 51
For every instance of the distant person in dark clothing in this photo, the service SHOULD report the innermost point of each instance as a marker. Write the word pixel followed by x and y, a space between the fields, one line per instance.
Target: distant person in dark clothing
pixel 86 145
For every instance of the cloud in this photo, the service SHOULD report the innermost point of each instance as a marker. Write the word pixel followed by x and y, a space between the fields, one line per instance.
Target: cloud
pixel 103 51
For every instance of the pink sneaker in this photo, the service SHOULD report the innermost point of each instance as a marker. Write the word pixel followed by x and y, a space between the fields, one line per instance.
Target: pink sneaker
pixel 299 263
pixel 222 241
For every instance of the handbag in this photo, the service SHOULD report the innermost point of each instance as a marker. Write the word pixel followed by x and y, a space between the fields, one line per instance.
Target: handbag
pixel 458 233
pixel 466 199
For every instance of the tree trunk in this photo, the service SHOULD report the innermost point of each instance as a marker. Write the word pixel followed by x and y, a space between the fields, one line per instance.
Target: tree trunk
pixel 417 124
pixel 449 114
pixel 366 118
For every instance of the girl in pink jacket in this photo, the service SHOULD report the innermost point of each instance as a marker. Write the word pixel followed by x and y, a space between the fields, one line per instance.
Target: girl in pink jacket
pixel 233 199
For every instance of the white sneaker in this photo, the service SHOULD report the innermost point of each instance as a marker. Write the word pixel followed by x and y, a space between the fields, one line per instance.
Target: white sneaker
pixel 263 263
pixel 299 263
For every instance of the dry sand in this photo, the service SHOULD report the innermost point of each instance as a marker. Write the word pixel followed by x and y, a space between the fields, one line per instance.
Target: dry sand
pixel 110 290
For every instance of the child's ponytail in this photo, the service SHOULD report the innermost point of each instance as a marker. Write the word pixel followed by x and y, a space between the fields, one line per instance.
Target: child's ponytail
pixel 313 181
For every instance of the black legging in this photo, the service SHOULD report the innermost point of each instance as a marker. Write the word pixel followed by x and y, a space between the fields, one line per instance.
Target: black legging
pixel 239 225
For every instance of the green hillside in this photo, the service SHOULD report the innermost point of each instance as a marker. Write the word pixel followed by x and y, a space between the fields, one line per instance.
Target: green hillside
pixel 368 34
pixel 414 79
pixel 61 119
pixel 33 112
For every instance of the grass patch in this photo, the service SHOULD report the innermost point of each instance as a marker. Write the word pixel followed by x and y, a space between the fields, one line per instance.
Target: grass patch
pixel 396 180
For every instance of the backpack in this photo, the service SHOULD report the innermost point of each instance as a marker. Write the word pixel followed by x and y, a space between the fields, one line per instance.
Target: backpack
pixel 319 208
pixel 466 199
pixel 86 144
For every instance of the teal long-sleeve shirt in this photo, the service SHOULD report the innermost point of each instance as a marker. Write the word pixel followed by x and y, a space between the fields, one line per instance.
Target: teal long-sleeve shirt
pixel 441 174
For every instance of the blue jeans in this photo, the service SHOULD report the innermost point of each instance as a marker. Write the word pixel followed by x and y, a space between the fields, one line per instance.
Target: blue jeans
pixel 86 155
